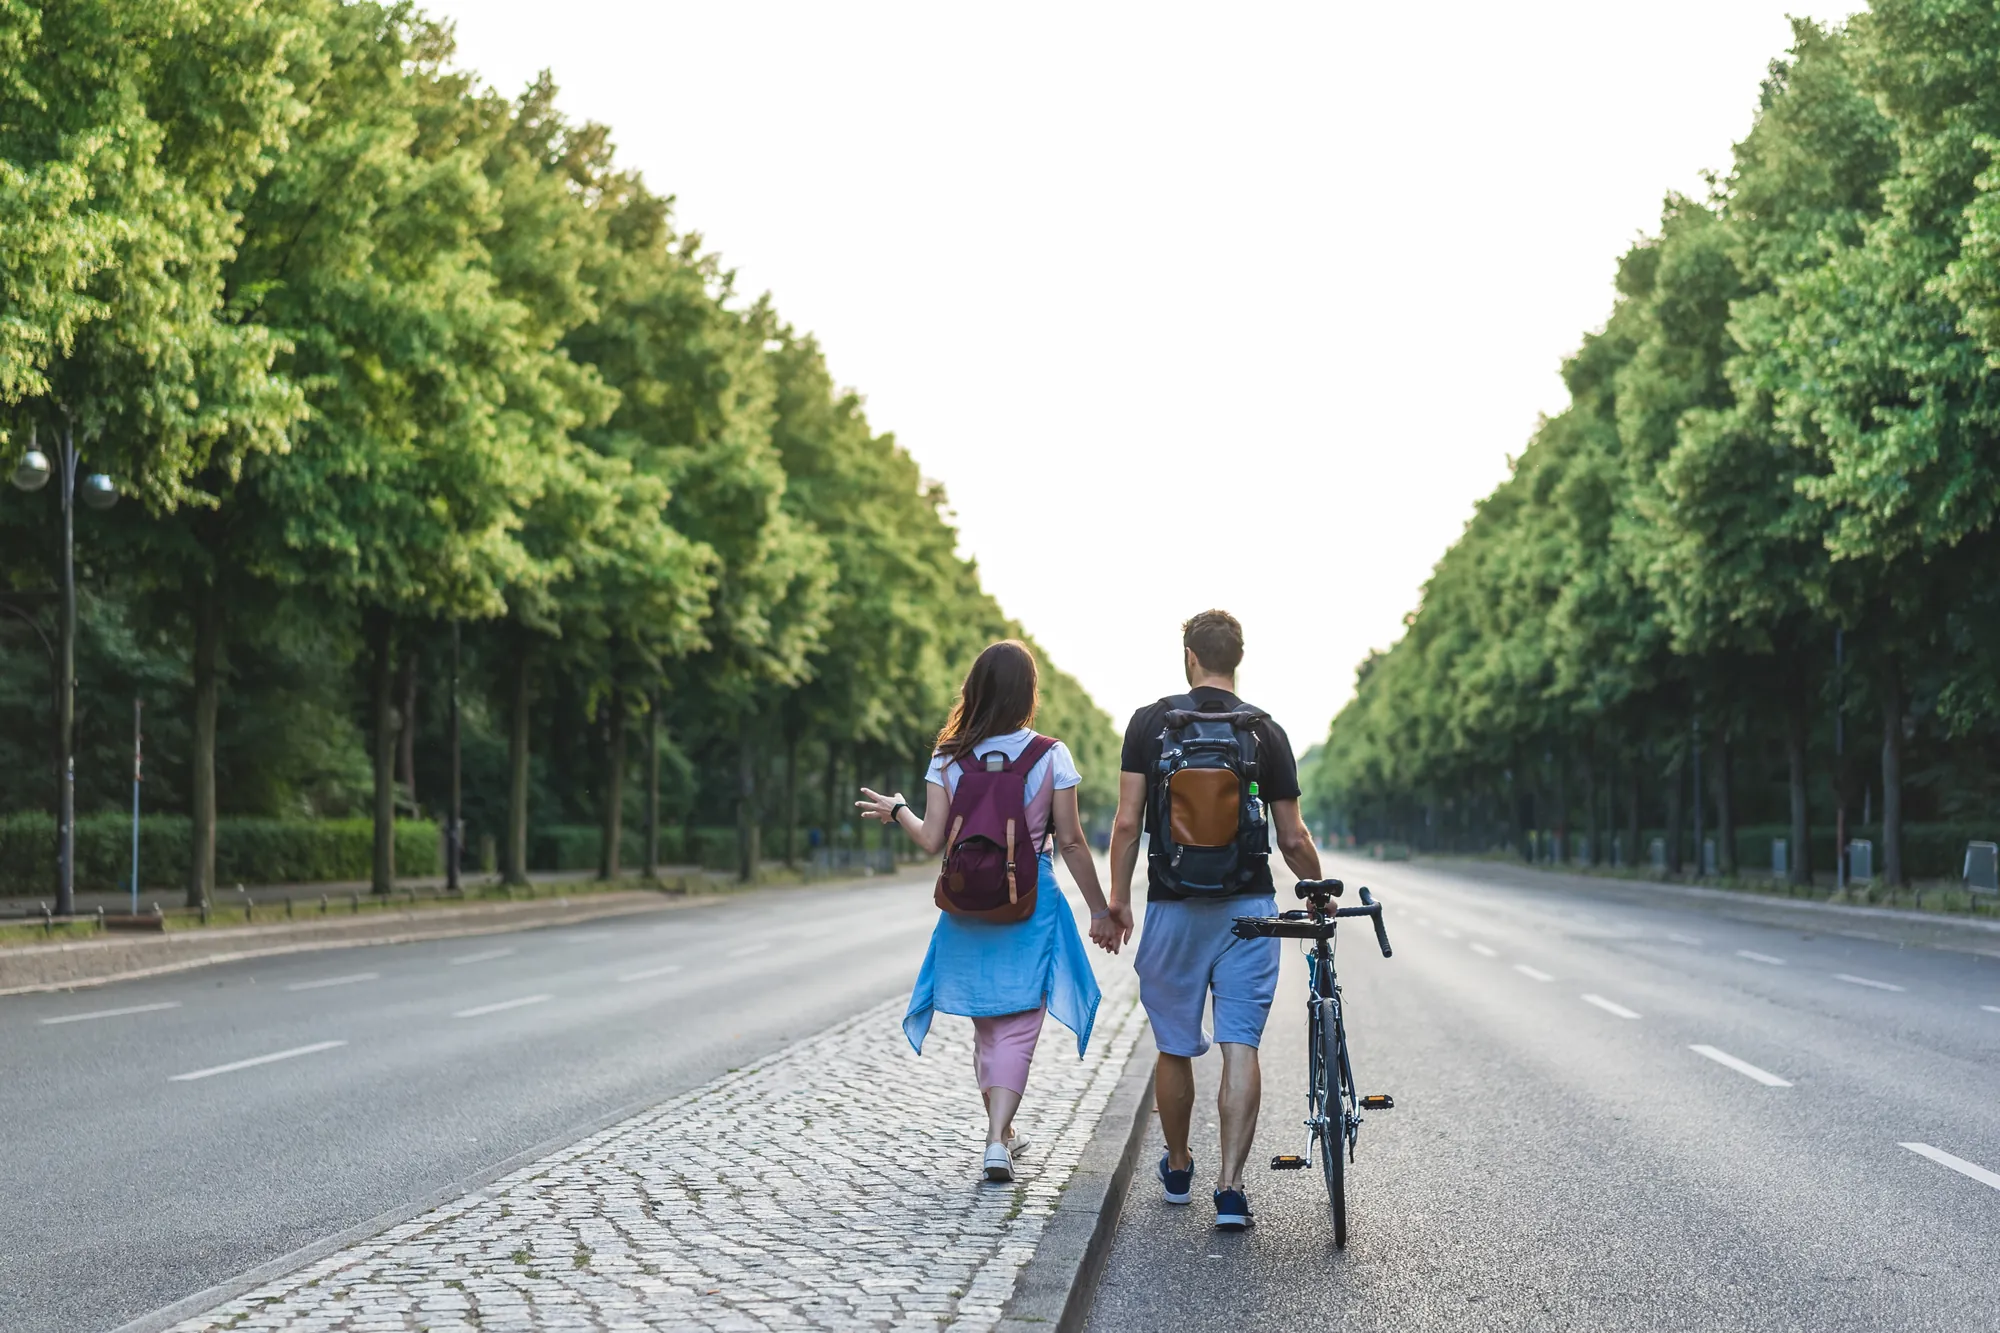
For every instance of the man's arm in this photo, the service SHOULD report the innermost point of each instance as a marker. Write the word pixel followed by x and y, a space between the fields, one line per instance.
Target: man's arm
pixel 1125 840
pixel 1294 840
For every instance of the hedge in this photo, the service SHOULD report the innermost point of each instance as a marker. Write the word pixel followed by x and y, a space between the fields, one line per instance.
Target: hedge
pixel 247 851
pixel 575 847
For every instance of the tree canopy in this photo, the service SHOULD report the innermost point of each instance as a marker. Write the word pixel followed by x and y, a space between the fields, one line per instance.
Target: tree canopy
pixel 1753 539
pixel 397 367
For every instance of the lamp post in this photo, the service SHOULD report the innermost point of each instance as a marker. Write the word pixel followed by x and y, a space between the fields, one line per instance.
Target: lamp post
pixel 31 474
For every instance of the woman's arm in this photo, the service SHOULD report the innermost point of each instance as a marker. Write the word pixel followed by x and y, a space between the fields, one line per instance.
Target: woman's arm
pixel 928 832
pixel 1109 929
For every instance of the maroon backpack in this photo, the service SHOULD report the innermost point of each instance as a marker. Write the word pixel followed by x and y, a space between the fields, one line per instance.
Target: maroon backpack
pixel 990 869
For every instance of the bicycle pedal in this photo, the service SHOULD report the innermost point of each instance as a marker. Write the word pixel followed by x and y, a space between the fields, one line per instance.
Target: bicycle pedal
pixel 1380 1101
pixel 1288 1162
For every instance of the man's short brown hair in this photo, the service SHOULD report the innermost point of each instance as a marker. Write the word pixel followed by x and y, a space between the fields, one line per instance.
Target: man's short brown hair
pixel 1216 639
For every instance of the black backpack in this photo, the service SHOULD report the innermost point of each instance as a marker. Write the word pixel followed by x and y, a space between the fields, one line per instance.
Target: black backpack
pixel 1209 834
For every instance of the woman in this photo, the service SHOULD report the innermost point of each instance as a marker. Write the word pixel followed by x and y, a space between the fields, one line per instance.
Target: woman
pixel 1005 977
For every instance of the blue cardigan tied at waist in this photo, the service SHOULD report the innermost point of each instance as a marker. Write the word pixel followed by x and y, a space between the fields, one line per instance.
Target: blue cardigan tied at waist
pixel 980 970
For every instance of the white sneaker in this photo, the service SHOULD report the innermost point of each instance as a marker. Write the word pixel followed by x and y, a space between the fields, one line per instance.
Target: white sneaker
pixel 999 1162
pixel 1018 1144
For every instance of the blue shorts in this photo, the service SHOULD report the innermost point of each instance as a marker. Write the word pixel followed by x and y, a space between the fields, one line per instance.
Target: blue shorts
pixel 1186 952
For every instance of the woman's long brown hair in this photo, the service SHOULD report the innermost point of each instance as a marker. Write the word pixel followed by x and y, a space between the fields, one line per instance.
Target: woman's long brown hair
pixel 998 697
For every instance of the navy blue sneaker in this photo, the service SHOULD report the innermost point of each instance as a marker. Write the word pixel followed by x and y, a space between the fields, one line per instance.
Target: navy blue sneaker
pixel 1178 1184
pixel 1232 1210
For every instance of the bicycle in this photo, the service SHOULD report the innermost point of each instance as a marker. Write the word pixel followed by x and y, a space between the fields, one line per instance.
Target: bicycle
pixel 1333 1112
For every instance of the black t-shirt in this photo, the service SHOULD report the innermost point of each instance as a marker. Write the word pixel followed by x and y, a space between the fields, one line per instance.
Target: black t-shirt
pixel 1277 771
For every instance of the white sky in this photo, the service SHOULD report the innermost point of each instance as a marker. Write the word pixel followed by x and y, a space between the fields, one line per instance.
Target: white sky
pixel 1234 305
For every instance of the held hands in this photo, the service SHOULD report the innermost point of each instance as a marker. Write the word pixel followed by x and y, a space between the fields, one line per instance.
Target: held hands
pixel 878 807
pixel 1113 929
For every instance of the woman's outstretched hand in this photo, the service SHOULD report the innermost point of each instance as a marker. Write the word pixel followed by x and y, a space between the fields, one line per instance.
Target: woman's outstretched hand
pixel 878 807
pixel 1112 930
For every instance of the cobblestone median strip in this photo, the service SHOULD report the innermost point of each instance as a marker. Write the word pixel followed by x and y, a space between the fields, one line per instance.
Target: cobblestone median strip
pixel 834 1186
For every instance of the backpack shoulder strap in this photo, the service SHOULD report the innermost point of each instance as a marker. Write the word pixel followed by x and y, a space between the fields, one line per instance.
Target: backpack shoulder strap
pixel 1031 755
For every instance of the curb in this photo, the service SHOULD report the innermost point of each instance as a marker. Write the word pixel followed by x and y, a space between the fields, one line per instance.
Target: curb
pixel 201 1302
pixel 1884 925
pixel 402 929
pixel 1057 1286
pixel 1744 897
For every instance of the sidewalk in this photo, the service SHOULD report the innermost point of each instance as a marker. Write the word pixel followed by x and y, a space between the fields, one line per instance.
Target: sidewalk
pixel 834 1186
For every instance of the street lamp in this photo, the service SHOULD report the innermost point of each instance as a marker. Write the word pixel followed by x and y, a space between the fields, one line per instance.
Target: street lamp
pixel 99 492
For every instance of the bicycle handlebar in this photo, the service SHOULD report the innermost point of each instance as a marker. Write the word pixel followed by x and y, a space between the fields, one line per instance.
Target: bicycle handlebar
pixel 1296 925
pixel 1381 931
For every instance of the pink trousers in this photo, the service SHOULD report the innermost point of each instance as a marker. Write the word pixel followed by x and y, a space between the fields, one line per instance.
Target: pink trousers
pixel 1003 1047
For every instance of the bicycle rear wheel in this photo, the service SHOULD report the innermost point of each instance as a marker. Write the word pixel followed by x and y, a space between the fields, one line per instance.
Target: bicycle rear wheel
pixel 1332 1130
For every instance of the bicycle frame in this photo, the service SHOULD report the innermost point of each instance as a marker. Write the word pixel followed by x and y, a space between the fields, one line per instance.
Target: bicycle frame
pixel 1323 1005
pixel 1333 1108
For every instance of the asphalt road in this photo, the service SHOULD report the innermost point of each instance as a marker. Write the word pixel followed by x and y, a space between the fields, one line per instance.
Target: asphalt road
pixel 166 1135
pixel 1561 1155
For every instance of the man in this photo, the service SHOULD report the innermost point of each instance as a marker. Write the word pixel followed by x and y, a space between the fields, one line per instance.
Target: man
pixel 1187 953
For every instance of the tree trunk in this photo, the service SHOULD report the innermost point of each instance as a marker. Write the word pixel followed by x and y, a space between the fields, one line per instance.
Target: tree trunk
pixel 613 787
pixel 1632 815
pixel 653 784
pixel 791 801
pixel 1725 805
pixel 201 777
pixel 1892 776
pixel 748 854
pixel 1594 850
pixel 1799 866
pixel 1676 776
pixel 1562 807
pixel 517 770
pixel 832 791
pixel 406 735
pixel 382 707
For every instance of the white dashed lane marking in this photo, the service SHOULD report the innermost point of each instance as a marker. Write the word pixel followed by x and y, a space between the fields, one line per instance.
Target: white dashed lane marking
pixel 1683 939
pixel 1448 932
pixel 485 957
pixel 111 1013
pixel 1483 951
pixel 749 949
pixel 256 1060
pixel 484 1009
pixel 1532 973
pixel 1743 1067
pixel 1991 1008
pixel 651 972
pixel 1971 1170
pixel 1609 1006
pixel 1864 981
pixel 1756 957
pixel 350 979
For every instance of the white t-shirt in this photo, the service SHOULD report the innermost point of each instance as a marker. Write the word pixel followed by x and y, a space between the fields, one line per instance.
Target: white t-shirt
pixel 945 771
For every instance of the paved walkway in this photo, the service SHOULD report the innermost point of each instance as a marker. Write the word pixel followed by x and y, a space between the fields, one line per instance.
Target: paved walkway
pixel 834 1186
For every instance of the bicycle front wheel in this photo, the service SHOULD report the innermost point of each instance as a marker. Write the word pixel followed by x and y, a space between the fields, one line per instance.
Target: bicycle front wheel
pixel 1332 1129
